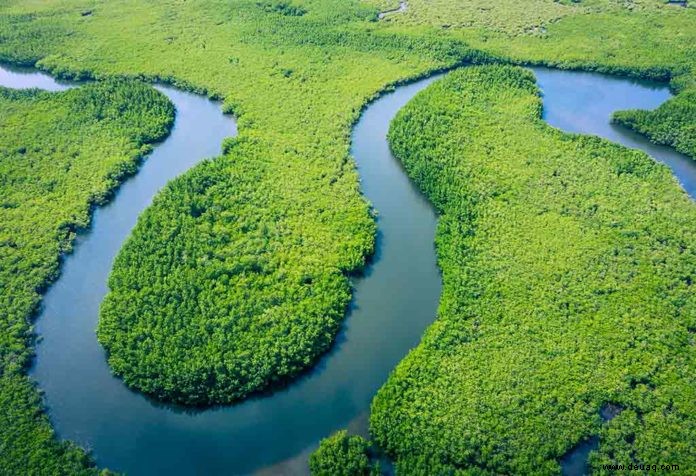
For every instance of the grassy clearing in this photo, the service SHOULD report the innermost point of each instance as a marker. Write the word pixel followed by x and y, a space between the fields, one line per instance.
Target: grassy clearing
pixel 568 265
pixel 60 154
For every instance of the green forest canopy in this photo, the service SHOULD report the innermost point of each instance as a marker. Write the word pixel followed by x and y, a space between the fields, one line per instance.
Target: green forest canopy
pixel 343 455
pixel 60 154
pixel 568 265
pixel 296 74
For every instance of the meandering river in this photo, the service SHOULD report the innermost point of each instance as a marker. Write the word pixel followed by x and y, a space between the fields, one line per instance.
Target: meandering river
pixel 394 301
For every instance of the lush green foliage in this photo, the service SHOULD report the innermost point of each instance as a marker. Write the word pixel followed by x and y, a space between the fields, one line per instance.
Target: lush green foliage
pixel 568 268
pixel 530 18
pixel 283 204
pixel 237 276
pixel 60 153
pixel 343 455
pixel 588 34
pixel 596 34
pixel 506 16
pixel 215 294
pixel 673 123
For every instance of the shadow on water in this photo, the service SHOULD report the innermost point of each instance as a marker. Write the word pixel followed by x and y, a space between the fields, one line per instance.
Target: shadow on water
pixel 395 299
pixel 576 461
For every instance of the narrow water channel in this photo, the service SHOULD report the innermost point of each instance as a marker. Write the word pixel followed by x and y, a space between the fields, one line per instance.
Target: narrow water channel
pixel 394 301
pixel 581 102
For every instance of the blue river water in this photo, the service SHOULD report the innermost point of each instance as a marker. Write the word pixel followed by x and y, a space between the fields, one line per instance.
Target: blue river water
pixel 394 300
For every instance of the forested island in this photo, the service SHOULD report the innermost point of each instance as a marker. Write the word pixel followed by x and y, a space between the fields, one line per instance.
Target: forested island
pixel 567 261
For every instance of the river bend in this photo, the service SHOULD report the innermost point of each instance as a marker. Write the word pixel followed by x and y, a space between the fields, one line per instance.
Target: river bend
pixel 394 301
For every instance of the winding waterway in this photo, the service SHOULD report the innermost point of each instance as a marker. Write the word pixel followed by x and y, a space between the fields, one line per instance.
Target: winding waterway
pixel 394 301
pixel 583 102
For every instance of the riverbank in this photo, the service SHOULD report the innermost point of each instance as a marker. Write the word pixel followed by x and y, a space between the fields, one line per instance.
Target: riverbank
pixel 566 286
pixel 63 154
pixel 83 396
pixel 298 78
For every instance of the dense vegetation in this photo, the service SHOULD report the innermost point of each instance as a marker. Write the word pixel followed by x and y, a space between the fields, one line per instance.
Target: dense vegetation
pixel 587 34
pixel 568 267
pixel 215 294
pixel 592 34
pixel 673 123
pixel 237 276
pixel 343 455
pixel 278 222
pixel 60 154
